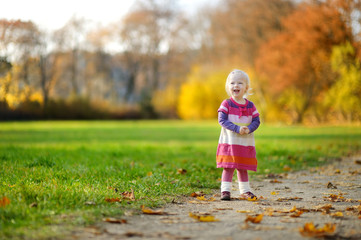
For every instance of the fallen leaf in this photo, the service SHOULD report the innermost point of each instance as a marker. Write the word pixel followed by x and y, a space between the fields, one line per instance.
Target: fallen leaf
pixel 203 198
pixel 274 193
pixel 275 181
pixel 4 201
pixel 296 214
pixel 330 185
pixel 133 234
pixel 254 219
pixel 222 209
pixel 310 230
pixel 244 211
pixel 202 218
pixel 111 200
pixel 128 195
pixel 286 168
pixel 114 220
pixel 197 194
pixel 149 211
pixel 289 199
pixel 181 171
pixel 335 197
pixel 358 161
pixel 337 214
pixel 324 208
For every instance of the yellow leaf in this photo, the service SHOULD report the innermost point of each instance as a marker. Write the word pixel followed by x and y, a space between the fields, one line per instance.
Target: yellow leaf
pixel 244 211
pixel 201 198
pixel 149 174
pixel 337 214
pixel 149 211
pixel 200 218
pixel 274 193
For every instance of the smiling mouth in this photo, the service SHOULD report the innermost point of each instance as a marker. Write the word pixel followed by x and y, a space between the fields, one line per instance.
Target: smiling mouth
pixel 236 91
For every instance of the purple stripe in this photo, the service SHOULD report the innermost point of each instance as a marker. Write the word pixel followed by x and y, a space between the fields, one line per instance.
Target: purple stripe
pixel 236 150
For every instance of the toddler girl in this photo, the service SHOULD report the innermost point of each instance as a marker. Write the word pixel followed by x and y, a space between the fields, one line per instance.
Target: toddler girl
pixel 239 118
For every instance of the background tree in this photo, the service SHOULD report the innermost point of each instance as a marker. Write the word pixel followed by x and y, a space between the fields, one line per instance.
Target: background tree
pixel 298 58
pixel 343 97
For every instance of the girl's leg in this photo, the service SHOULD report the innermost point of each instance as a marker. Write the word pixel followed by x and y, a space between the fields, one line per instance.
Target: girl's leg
pixel 227 176
pixel 243 181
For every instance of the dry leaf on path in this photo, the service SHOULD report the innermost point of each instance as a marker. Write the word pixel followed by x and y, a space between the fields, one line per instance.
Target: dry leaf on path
pixel 310 230
pixel 114 220
pixel 289 199
pixel 254 219
pixel 149 211
pixel 197 194
pixel 275 181
pixel 203 218
pixel 337 215
pixel 203 198
pixel 296 214
pixel 244 211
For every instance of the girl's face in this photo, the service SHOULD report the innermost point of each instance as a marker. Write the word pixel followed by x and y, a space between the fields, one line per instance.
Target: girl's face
pixel 237 88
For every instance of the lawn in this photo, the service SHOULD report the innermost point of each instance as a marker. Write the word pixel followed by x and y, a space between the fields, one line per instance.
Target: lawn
pixel 59 175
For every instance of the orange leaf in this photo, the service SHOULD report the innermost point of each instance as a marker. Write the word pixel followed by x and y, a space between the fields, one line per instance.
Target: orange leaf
pixel 257 219
pixel 197 194
pixel 296 214
pixel 4 201
pixel 309 230
pixel 115 220
pixel 275 181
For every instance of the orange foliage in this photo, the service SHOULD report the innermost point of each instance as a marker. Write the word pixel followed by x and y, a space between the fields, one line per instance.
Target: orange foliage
pixel 299 57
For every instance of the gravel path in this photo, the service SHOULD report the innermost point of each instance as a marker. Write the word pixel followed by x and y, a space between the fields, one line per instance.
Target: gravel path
pixel 326 195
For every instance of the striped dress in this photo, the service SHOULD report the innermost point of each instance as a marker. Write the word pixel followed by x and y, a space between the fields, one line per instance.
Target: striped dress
pixel 235 150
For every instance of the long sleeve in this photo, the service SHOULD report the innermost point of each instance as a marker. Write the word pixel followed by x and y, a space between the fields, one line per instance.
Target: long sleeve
pixel 224 122
pixel 254 124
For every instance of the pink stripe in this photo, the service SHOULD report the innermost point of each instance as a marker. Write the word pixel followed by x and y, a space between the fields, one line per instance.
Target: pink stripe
pixel 237 166
pixel 236 150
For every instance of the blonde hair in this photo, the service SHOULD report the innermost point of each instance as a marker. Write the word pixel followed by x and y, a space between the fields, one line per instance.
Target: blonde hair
pixel 239 74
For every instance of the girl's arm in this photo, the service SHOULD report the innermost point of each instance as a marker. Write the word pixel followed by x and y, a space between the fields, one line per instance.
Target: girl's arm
pixel 254 124
pixel 224 122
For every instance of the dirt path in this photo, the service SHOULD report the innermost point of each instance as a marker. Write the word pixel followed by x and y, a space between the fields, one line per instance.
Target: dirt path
pixel 329 194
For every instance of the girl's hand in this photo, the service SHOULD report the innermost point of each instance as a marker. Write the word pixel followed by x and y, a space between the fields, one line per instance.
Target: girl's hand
pixel 244 130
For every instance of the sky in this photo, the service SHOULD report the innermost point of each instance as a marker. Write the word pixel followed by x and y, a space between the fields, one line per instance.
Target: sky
pixel 54 14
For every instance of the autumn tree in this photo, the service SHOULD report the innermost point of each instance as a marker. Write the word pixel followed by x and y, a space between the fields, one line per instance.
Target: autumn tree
pixel 18 45
pixel 69 39
pixel 343 97
pixel 296 61
pixel 239 28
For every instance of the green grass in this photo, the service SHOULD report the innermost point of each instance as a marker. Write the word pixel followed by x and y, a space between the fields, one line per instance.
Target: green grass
pixel 64 166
